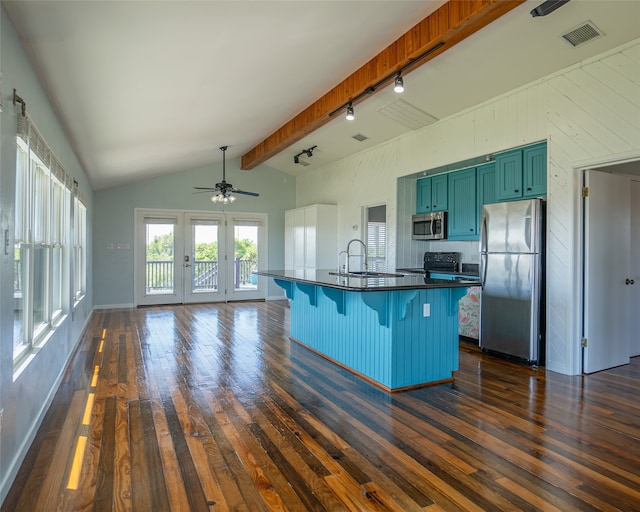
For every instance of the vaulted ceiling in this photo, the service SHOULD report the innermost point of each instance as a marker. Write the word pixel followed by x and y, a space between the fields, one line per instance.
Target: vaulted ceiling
pixel 145 88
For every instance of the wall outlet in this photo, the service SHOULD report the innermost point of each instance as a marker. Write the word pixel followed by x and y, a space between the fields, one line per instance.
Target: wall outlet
pixel 426 310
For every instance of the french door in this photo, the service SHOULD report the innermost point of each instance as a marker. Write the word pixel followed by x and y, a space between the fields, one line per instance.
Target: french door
pixel 187 257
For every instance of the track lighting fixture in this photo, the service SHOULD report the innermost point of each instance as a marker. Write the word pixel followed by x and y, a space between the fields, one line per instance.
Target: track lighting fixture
pixel 399 84
pixel 547 7
pixel 350 115
pixel 307 152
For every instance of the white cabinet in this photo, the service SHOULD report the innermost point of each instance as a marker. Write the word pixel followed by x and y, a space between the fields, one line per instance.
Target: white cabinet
pixel 310 237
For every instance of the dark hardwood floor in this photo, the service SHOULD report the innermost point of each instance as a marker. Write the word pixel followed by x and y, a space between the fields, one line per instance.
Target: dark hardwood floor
pixel 211 407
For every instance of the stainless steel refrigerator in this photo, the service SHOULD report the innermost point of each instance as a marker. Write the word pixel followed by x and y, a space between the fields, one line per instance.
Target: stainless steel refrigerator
pixel 511 270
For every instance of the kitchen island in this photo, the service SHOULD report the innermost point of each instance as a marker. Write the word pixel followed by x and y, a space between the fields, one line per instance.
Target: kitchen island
pixel 396 331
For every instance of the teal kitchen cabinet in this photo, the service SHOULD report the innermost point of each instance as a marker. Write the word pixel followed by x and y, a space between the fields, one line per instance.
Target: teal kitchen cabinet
pixel 534 160
pixel 463 212
pixel 522 173
pixel 486 184
pixel 509 175
pixel 486 188
pixel 432 194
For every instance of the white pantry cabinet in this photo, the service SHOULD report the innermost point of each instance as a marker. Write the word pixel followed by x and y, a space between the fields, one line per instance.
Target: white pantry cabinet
pixel 311 237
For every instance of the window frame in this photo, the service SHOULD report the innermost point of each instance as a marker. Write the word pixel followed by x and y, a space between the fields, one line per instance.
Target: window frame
pixel 50 226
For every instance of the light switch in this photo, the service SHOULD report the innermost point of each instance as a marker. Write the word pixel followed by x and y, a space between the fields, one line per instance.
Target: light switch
pixel 426 310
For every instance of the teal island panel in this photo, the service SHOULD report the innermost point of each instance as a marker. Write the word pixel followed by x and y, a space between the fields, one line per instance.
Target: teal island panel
pixel 387 336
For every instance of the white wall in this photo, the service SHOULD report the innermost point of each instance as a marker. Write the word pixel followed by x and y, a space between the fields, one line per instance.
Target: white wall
pixel 114 219
pixel 25 399
pixel 588 113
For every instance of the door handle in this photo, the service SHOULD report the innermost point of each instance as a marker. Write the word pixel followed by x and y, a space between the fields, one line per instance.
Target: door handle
pixel 629 281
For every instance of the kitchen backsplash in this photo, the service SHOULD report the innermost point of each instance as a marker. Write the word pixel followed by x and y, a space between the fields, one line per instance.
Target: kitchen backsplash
pixel 469 252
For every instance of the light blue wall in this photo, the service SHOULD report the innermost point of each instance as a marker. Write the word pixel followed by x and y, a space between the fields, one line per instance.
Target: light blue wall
pixel 114 218
pixel 26 399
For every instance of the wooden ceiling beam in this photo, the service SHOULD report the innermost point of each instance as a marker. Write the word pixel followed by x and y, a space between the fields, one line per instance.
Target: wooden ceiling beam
pixel 448 25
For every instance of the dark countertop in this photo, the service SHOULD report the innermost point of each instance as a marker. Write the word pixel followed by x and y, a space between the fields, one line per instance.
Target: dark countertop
pixel 322 277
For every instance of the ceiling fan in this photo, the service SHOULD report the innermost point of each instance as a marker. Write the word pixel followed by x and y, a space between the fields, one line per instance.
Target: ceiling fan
pixel 224 190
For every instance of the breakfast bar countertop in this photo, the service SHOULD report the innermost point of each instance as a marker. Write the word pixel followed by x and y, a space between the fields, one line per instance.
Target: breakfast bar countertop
pixel 382 282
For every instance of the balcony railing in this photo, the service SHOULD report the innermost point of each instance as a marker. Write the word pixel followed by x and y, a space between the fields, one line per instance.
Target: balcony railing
pixel 205 275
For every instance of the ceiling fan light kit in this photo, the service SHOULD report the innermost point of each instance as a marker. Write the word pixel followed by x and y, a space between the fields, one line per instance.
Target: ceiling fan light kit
pixel 224 191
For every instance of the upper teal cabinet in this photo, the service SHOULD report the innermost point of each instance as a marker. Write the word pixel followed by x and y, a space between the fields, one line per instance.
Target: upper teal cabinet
pixel 534 159
pixel 432 194
pixel 462 221
pixel 509 175
pixel 486 184
pixel 521 173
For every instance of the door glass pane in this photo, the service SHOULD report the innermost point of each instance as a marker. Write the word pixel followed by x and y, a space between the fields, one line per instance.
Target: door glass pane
pixel 204 274
pixel 245 257
pixel 160 251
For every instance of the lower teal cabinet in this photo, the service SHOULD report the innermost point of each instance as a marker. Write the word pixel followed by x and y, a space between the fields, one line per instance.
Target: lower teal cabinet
pixel 462 220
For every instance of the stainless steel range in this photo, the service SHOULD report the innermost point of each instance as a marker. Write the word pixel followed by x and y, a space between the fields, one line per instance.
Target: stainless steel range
pixel 441 262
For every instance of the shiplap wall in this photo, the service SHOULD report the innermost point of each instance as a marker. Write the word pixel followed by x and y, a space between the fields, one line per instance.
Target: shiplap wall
pixel 589 114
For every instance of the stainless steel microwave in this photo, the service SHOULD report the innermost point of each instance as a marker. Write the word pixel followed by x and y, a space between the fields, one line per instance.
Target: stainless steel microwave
pixel 429 226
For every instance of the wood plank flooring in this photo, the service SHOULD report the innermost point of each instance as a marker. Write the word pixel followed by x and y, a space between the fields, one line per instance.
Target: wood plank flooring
pixel 211 407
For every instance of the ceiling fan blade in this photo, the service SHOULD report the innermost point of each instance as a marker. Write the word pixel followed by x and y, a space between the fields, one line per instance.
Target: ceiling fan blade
pixel 236 191
pixel 210 189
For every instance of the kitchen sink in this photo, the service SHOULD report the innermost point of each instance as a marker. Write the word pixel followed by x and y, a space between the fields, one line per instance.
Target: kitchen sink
pixel 365 274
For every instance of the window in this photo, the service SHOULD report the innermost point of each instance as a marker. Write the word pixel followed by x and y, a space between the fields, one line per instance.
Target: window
pixel 377 237
pixel 43 234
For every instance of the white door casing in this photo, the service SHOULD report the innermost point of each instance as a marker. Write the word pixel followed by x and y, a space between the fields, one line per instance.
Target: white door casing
pixel 634 300
pixel 606 269
pixel 192 280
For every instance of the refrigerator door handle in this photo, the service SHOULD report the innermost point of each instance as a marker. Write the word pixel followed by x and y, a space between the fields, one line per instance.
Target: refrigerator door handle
pixel 483 269
pixel 483 251
pixel 483 235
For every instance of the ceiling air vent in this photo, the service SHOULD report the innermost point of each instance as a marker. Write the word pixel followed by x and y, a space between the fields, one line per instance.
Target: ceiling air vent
pixel 359 137
pixel 406 114
pixel 587 31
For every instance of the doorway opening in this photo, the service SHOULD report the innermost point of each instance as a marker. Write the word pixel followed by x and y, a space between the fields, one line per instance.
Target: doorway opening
pixel 376 222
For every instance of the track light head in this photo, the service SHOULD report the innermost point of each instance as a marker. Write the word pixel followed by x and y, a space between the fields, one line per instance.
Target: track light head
pixel 350 114
pixel 547 7
pixel 399 84
pixel 296 159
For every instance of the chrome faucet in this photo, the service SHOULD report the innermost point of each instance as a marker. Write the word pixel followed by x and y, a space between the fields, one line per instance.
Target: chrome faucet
pixel 366 259
pixel 342 268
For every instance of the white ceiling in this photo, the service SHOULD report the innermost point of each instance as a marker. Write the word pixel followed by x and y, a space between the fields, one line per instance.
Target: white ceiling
pixel 145 88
